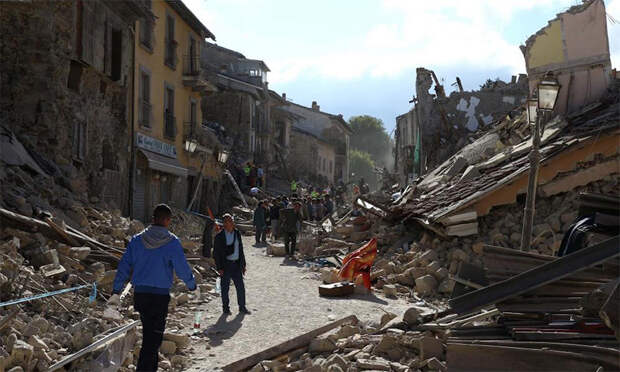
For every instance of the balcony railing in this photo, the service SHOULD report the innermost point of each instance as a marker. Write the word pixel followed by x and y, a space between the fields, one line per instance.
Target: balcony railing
pixel 170 127
pixel 191 65
pixel 145 114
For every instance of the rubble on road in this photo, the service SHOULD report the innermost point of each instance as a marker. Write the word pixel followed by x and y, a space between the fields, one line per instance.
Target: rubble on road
pixel 52 238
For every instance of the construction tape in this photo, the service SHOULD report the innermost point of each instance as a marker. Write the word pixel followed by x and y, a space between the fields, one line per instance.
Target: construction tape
pixel 91 297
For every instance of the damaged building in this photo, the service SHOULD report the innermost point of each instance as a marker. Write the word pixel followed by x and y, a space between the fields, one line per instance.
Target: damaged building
pixel 438 125
pixel 319 145
pixel 575 46
pixel 243 104
pixel 66 73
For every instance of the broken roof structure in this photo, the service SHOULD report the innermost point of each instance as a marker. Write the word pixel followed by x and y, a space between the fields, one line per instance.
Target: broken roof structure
pixel 493 170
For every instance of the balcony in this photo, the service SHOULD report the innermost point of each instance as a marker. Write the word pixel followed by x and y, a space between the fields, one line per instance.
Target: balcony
pixel 145 112
pixel 170 125
pixel 191 65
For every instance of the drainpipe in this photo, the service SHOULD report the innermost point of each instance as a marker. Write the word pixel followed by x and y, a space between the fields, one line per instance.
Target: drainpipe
pixel 132 172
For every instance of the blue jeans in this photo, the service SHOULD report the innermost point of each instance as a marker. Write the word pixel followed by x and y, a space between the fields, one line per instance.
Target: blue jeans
pixel 232 270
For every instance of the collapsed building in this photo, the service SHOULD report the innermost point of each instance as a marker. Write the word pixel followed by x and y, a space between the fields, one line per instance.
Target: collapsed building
pixel 439 125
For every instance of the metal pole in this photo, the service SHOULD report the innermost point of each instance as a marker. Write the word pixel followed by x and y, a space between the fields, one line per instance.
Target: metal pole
pixel 204 162
pixel 528 212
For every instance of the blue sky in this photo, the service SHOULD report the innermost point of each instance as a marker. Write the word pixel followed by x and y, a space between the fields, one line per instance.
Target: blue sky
pixel 359 56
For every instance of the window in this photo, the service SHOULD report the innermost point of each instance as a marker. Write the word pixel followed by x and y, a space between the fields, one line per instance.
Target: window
pixel 75 76
pixel 170 58
pixel 117 54
pixel 146 33
pixel 324 164
pixel 144 99
pixel 331 165
pixel 78 141
pixel 169 119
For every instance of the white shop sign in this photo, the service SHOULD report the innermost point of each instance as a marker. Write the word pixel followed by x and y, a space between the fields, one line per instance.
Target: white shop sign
pixel 155 145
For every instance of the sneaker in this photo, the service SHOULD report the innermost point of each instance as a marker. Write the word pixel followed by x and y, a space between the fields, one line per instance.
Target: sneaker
pixel 245 311
pixel 226 312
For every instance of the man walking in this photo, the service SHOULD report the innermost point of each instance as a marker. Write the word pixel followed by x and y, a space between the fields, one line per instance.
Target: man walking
pixel 288 227
pixel 149 260
pixel 230 263
pixel 260 222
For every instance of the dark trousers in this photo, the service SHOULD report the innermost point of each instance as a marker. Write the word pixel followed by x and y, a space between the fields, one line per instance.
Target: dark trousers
pixel 232 270
pixel 261 234
pixel 153 309
pixel 290 241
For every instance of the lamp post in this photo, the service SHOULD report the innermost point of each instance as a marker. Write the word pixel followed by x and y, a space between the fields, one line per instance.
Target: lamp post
pixel 222 157
pixel 537 116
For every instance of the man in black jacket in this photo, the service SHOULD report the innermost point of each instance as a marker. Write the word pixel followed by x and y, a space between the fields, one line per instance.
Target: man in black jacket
pixel 230 263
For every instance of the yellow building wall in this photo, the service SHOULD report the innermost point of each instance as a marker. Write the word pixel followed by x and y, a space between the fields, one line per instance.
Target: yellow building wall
pixel 548 47
pixel 160 73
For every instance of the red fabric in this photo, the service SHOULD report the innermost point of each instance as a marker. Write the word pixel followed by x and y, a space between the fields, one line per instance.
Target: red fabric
pixel 359 262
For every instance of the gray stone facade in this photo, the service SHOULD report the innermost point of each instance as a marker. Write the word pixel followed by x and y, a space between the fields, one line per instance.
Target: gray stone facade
pixel 66 75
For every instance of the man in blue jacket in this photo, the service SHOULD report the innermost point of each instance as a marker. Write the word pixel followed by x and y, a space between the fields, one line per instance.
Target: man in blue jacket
pixel 149 261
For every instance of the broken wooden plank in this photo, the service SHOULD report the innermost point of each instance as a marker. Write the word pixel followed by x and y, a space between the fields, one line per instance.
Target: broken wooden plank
pixel 286 346
pixel 467 357
pixel 464 229
pixel 609 311
pixel 537 277
pixel 459 218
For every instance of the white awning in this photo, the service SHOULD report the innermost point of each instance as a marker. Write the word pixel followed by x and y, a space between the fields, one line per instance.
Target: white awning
pixel 164 163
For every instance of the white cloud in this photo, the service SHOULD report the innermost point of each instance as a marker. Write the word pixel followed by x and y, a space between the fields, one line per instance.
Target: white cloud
pixel 424 33
pixel 407 34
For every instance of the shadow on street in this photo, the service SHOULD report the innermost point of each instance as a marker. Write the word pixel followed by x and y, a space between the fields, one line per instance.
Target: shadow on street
pixel 223 329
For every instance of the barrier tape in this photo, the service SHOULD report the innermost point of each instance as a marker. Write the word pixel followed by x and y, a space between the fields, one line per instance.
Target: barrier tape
pixel 91 297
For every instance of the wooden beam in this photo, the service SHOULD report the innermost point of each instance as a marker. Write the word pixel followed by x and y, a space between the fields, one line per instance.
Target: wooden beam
pixel 459 218
pixel 292 344
pixel 537 277
pixel 464 229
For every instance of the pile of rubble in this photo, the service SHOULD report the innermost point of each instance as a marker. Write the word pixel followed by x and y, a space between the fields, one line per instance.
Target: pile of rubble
pixel 387 345
pixel 53 239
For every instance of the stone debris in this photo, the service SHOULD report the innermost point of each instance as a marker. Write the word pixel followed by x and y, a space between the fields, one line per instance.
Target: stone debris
pixel 47 330
pixel 360 348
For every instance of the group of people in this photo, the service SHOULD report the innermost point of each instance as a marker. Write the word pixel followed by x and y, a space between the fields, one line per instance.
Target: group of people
pixel 254 175
pixel 152 259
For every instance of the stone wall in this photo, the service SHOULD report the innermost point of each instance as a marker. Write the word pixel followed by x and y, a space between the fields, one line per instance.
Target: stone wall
pixel 465 113
pixel 232 110
pixel 48 94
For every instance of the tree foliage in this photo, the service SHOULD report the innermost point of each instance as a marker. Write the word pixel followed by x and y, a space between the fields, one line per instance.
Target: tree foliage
pixel 370 145
pixel 362 165
pixel 369 135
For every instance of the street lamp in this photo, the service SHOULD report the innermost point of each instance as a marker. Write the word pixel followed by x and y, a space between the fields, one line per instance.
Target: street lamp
pixel 222 156
pixel 537 115
pixel 190 145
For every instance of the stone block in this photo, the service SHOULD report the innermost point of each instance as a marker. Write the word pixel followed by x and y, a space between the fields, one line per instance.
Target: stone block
pixel 168 347
pixel 390 291
pixel 426 284
pixel 276 249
